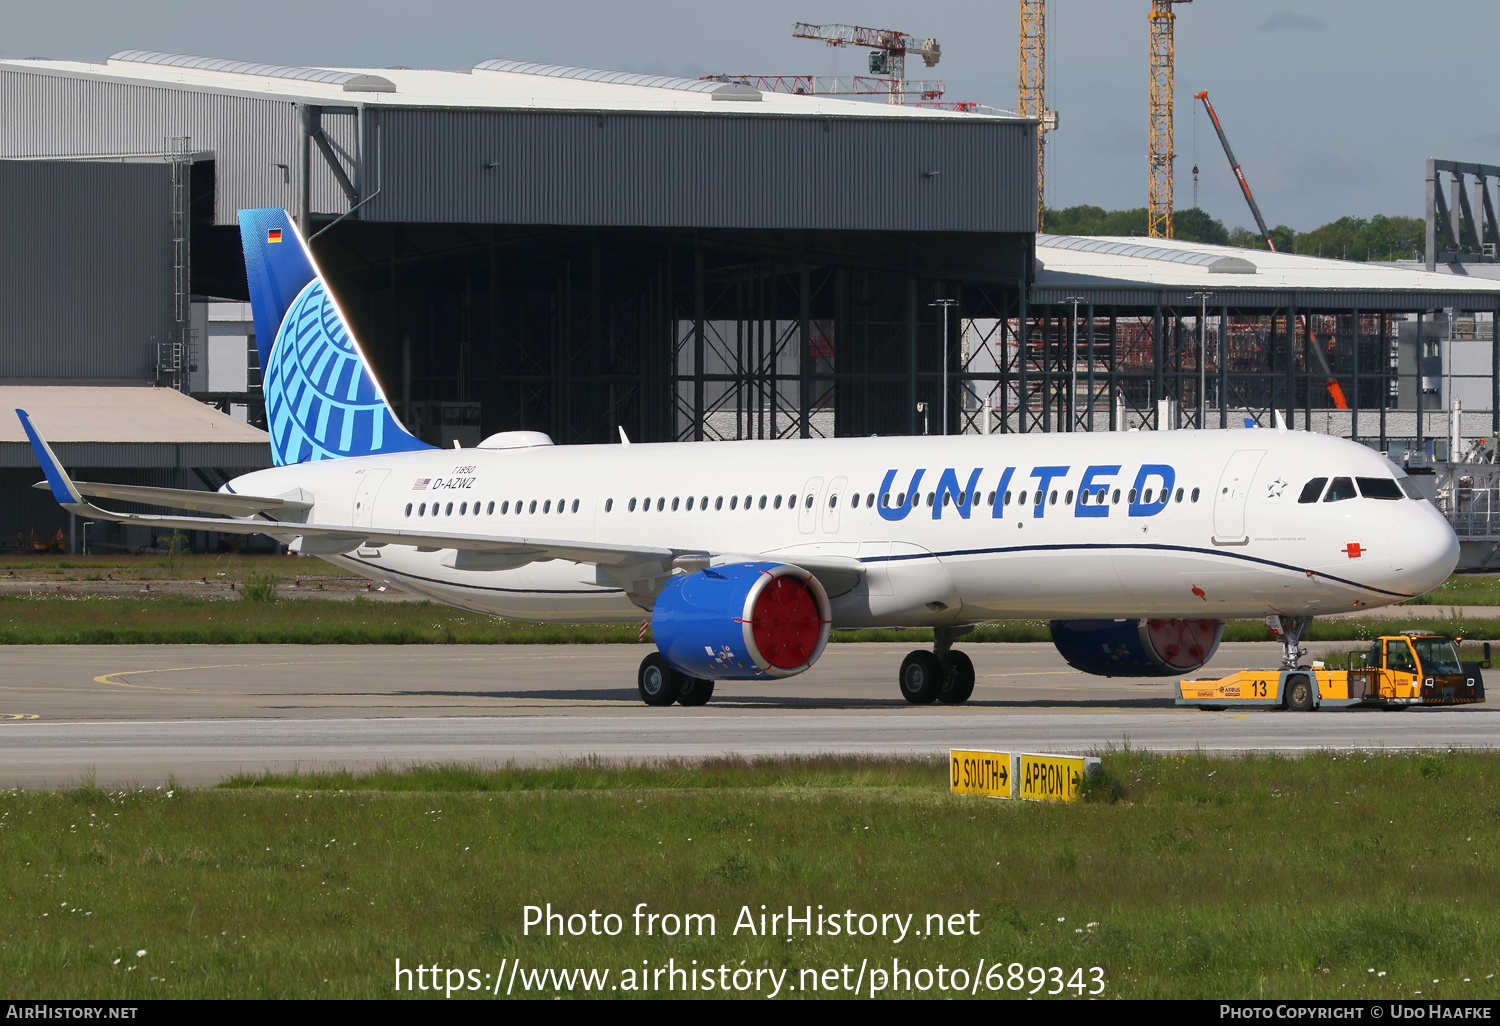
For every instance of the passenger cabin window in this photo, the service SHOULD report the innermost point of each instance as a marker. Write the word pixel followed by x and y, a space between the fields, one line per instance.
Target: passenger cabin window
pixel 1342 488
pixel 1312 490
pixel 609 504
pixel 1378 487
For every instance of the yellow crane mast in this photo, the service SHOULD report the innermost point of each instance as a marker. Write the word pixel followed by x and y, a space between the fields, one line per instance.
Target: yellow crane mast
pixel 1159 205
pixel 1032 101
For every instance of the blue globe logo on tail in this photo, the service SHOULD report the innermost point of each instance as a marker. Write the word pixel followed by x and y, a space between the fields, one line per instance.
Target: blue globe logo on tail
pixel 321 402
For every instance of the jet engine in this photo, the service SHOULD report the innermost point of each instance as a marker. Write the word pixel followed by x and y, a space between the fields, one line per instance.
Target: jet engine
pixel 742 621
pixel 1136 648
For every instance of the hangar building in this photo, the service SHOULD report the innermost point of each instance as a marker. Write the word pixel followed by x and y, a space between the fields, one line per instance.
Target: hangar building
pixel 524 246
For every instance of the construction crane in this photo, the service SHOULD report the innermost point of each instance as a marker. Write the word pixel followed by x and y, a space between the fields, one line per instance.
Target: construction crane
pixel 1159 203
pixel 1031 100
pixel 833 85
pixel 888 50
pixel 1335 390
pixel 1234 165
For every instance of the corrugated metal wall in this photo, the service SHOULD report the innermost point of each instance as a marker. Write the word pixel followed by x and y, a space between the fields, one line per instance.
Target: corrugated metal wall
pixel 86 269
pixel 731 170
pixel 53 114
pixel 713 171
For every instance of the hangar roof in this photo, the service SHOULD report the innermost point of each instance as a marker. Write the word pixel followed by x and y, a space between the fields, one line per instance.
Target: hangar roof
pixel 1120 270
pixel 490 84
pixel 97 413
pixel 92 425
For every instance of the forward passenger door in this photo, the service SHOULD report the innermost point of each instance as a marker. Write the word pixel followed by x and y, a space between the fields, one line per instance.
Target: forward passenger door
pixel 1232 494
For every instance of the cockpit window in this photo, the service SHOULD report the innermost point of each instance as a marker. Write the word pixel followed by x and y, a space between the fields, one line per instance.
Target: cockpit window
pixel 1409 487
pixel 1312 490
pixel 1342 488
pixel 1378 487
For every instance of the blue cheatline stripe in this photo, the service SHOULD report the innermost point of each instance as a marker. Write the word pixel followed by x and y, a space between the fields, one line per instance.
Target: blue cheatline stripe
pixel 1097 546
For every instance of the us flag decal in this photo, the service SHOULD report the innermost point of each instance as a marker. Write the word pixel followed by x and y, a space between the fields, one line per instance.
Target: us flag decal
pixel 421 485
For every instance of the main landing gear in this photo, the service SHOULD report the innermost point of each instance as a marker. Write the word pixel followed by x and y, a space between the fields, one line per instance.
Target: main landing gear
pixel 942 675
pixel 659 684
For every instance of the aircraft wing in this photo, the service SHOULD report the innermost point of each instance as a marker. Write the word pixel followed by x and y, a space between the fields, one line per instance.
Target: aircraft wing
pixel 636 568
pixel 227 503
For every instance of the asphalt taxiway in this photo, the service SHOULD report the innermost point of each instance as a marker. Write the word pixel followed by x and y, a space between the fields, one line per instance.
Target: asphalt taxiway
pixel 137 714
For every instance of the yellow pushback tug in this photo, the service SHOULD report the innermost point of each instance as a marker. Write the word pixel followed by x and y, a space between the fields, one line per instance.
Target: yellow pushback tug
pixel 1396 671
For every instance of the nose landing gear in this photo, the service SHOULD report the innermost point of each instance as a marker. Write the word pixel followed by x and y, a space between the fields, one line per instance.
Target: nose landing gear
pixel 1292 629
pixel 942 675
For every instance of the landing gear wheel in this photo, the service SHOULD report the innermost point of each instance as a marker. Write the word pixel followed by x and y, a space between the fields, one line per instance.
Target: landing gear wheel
pixel 922 677
pixel 960 681
pixel 694 690
pixel 657 682
pixel 1299 696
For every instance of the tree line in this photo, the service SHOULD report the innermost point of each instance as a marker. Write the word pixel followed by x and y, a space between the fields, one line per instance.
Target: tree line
pixel 1349 238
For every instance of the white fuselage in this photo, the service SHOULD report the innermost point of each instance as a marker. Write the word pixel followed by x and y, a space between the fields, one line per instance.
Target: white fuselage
pixel 1231 541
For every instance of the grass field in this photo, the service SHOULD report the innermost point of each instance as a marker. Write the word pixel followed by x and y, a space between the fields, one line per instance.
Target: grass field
pixel 1324 877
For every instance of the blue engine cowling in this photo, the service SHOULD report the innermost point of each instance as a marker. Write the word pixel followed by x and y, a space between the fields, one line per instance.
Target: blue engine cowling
pixel 1136 648
pixel 742 621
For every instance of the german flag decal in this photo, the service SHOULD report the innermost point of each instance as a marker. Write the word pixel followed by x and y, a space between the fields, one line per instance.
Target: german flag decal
pixel 273 235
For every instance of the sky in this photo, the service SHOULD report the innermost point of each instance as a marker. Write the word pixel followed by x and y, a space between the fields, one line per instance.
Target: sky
pixel 1332 106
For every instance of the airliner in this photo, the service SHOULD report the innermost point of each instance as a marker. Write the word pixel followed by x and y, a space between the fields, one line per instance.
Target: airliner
pixel 743 556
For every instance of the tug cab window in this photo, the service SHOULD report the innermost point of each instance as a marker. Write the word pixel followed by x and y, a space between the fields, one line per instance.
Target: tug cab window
pixel 1437 656
pixel 1398 657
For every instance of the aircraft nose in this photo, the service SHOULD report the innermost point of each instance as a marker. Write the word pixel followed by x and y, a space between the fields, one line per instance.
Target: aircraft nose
pixel 1424 549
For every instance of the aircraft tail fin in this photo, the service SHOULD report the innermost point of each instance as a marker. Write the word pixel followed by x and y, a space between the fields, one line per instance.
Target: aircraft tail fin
pixel 322 399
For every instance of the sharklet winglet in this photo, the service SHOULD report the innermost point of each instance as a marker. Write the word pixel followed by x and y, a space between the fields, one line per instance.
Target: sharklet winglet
pixel 62 486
